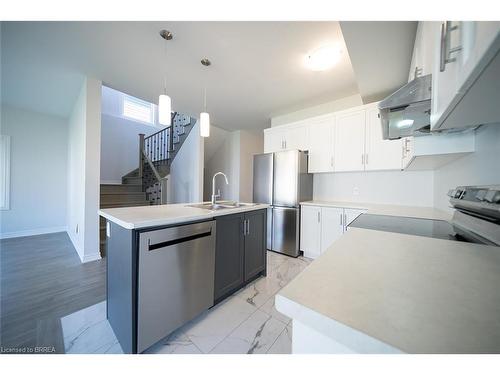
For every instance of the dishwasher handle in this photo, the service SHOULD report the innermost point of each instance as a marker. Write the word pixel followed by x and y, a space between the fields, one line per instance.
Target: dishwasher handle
pixel 176 241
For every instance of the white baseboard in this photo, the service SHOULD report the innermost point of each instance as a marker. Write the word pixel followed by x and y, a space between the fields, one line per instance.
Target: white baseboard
pixel 91 257
pixel 79 250
pixel 111 182
pixel 32 232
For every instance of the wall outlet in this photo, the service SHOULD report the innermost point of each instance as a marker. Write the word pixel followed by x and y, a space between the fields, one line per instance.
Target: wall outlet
pixel 355 191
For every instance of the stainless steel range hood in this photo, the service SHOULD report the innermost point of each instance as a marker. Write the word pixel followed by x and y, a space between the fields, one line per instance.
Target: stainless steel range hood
pixel 407 112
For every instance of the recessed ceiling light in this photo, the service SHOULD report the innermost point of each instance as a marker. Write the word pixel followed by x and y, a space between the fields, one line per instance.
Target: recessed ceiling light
pixel 323 58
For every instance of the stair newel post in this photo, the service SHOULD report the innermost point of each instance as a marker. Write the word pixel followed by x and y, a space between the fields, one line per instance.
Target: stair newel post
pixel 141 150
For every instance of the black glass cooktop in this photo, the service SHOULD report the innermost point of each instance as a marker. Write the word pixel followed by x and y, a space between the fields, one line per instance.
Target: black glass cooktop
pixel 408 225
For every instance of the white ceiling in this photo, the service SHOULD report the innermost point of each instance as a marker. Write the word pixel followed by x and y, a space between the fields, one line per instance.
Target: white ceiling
pixel 380 54
pixel 257 66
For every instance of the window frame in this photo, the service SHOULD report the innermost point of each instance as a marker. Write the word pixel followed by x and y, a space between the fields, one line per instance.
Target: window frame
pixel 134 100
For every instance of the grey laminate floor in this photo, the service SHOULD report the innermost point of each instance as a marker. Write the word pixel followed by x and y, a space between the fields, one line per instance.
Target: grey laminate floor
pixel 42 280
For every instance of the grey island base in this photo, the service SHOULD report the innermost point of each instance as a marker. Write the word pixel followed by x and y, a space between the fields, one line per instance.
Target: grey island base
pixel 162 276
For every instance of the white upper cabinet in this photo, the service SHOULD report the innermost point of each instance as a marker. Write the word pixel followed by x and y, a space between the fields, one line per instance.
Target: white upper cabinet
pixel 349 146
pixel 321 144
pixel 287 137
pixel 381 154
pixel 273 140
pixel 422 61
pixel 297 137
pixel 466 67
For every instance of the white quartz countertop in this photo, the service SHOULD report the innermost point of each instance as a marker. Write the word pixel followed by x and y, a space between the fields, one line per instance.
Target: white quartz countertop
pixel 166 214
pixel 414 294
pixel 387 209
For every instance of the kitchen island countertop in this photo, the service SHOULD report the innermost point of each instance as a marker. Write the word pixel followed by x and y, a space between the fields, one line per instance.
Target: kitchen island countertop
pixel 167 214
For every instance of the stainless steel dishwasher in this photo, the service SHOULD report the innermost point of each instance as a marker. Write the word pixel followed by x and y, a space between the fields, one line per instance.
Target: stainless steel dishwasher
pixel 176 279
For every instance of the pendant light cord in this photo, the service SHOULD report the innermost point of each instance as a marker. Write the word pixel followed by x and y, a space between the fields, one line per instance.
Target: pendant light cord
pixel 205 98
pixel 166 70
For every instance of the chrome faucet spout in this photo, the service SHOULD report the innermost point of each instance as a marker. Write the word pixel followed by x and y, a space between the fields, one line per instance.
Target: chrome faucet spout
pixel 215 196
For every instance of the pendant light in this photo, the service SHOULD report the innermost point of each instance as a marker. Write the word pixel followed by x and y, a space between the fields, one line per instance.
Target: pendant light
pixel 164 101
pixel 204 116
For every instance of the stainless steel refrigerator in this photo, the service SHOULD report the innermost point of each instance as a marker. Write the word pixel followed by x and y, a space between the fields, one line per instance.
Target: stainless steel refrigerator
pixel 280 179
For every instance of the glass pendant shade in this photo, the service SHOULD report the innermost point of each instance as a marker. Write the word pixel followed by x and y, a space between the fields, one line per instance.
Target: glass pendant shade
pixel 204 124
pixel 165 110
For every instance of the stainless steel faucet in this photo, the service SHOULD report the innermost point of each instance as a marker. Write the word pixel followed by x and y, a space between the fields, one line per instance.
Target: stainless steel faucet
pixel 215 196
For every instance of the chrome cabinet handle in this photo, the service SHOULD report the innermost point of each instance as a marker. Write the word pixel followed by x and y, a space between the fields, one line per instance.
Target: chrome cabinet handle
pixel 341 224
pixel 445 50
pixel 248 226
pixel 319 217
pixel 366 159
pixel 418 72
pixel 363 159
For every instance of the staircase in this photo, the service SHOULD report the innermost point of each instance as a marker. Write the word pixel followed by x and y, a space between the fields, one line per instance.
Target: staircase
pixel 146 185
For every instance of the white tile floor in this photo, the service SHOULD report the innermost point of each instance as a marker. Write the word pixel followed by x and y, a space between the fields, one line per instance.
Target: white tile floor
pixel 246 322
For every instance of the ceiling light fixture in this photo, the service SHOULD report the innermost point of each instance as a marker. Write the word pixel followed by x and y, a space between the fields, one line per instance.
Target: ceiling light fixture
pixel 164 101
pixel 323 58
pixel 204 116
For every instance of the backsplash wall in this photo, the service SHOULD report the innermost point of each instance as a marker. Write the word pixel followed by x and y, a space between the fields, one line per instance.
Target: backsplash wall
pixel 415 188
pixel 479 168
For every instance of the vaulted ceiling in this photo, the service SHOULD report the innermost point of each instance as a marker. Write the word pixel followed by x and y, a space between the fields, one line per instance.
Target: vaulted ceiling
pixel 258 67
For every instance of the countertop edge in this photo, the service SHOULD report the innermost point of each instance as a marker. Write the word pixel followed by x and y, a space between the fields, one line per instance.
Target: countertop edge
pixel 178 220
pixel 349 337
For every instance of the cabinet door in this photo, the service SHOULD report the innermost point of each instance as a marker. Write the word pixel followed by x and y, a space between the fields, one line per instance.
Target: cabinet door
pixel 229 254
pixel 321 142
pixel 349 215
pixel 273 140
pixel 310 231
pixel 255 243
pixel 350 141
pixel 423 50
pixel 444 83
pixel 477 37
pixel 296 138
pixel 381 154
pixel 331 226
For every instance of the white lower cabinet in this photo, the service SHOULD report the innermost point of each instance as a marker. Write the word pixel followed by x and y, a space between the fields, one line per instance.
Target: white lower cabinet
pixel 310 231
pixel 321 226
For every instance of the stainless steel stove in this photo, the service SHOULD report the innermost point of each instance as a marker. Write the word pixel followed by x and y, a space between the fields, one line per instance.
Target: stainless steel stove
pixel 476 218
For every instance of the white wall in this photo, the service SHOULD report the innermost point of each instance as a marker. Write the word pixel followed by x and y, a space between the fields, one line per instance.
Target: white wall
pixel 83 171
pixel 186 172
pixel 328 107
pixel 389 187
pixel 250 144
pixel 38 173
pixel 120 146
pixel 479 168
pixel 234 157
pixel 225 159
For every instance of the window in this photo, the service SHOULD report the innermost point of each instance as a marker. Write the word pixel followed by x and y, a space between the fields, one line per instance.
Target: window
pixel 4 172
pixel 138 110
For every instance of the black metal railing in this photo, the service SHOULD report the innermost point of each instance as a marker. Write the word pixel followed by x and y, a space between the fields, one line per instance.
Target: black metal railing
pixel 156 153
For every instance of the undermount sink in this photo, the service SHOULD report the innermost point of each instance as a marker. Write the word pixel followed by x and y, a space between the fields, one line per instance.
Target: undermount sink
pixel 223 205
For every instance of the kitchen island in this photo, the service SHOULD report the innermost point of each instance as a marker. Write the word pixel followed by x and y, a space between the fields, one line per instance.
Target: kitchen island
pixel 166 264
pixel 382 292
